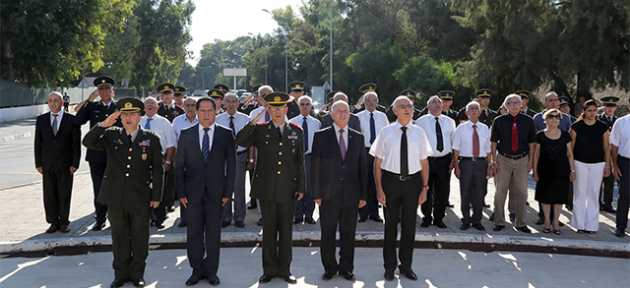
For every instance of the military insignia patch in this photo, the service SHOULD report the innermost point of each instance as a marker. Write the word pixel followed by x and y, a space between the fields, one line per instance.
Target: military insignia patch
pixel 145 143
pixel 144 156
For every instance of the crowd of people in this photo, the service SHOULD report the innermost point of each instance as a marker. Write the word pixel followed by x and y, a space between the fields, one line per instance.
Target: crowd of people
pixel 348 160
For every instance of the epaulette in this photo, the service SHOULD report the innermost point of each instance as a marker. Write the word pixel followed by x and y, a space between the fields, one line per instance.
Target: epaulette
pixel 262 124
pixel 180 107
pixel 295 125
pixel 290 100
pixel 252 103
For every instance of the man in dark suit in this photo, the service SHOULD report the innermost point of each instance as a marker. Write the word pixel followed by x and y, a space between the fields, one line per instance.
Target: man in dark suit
pixel 339 179
pixel 279 179
pixel 354 122
pixel 57 156
pixel 205 181
pixel 608 117
pixel 132 184
pixel 96 112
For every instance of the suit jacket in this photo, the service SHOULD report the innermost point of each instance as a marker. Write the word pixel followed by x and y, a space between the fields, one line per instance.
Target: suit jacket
pixel 353 123
pixel 134 175
pixel 170 113
pixel 604 119
pixel 335 180
pixel 95 112
pixel 280 170
pixel 60 151
pixel 193 174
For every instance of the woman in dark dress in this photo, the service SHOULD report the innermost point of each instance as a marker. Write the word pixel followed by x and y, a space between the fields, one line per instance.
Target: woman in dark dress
pixel 553 168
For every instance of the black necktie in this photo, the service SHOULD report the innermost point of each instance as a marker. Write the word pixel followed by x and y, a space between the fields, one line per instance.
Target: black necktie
pixel 305 128
pixel 130 139
pixel 438 134
pixel 232 126
pixel 279 133
pixel 404 161
pixel 372 129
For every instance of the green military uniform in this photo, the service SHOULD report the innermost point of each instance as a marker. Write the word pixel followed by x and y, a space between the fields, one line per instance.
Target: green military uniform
pixel 217 94
pixel 485 116
pixel 133 178
pixel 445 95
pixel 606 191
pixel 279 174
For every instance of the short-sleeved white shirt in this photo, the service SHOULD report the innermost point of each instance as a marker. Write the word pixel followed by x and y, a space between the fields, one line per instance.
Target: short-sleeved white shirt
pixel 380 121
pixel 462 140
pixel 620 135
pixel 162 127
pixel 447 125
pixel 387 147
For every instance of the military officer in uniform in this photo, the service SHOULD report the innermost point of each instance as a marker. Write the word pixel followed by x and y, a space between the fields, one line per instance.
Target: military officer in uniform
pixel 96 112
pixel 224 88
pixel 217 95
pixel 280 179
pixel 525 98
pixel 167 107
pixel 132 184
pixel 608 117
pixel 360 106
pixel 412 95
pixel 447 101
pixel 297 90
pixel 486 115
pixel 178 95
pixel 250 102
pixel 566 109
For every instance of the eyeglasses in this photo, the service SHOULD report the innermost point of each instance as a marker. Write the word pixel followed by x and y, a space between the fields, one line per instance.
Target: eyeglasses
pixel 370 100
pixel 514 103
pixel 305 104
pixel 554 117
pixel 407 106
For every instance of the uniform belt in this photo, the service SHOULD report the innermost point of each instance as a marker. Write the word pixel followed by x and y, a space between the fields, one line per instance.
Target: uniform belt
pixel 400 177
pixel 514 157
pixel 307 154
pixel 239 153
pixel 472 158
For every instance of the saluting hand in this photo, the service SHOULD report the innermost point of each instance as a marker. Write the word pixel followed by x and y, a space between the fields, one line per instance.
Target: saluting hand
pixel 93 95
pixel 110 120
pixel 258 116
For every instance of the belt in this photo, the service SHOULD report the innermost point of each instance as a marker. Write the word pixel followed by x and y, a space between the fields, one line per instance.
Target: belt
pixel 441 157
pixel 400 177
pixel 307 154
pixel 514 157
pixel 472 158
pixel 239 153
pixel 625 158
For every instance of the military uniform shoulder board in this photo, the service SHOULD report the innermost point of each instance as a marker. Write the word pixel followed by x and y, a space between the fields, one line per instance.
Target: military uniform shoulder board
pixel 263 124
pixel 180 107
pixel 295 125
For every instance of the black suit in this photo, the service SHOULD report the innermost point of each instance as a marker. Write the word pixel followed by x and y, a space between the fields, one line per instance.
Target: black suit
pixel 353 123
pixel 56 154
pixel 609 182
pixel 204 184
pixel 340 183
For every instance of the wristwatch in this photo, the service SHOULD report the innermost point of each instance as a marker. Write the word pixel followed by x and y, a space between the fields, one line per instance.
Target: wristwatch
pixel 168 162
pixel 251 160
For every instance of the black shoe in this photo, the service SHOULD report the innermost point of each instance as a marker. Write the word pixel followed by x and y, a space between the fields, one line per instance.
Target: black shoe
pixel 440 224
pixel 239 224
pixel 289 279
pixel 348 275
pixel 170 209
pixel 362 219
pixel 449 205
pixel 225 224
pixel 498 227
pixel 194 279
pixel 389 275
pixel 298 220
pixel 252 205
pixel 138 282
pixel 610 210
pixel 464 226
pixel 259 223
pixel 182 224
pixel 479 227
pixel 310 221
pixel 376 218
pixel 540 221
pixel 159 225
pixel 620 232
pixel 328 275
pixel 214 280
pixel 265 278
pixel 425 224
pixel 524 229
pixel 98 226
pixel 408 273
pixel 491 217
pixel 118 282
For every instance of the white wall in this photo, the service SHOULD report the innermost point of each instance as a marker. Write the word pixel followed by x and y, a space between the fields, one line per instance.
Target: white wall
pixel 24 112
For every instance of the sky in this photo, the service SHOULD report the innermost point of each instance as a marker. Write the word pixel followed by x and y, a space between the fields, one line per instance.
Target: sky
pixel 229 19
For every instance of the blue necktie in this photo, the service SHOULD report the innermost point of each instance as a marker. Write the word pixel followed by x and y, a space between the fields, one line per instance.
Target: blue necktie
pixel 305 127
pixel 206 144
pixel 148 125
pixel 372 129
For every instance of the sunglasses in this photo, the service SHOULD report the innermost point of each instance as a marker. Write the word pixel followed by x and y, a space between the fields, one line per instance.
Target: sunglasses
pixel 554 117
pixel 305 104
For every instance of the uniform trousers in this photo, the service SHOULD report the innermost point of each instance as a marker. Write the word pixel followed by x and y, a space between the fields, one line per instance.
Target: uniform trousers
pixel 277 237
pixel 239 192
pixel 167 196
pixel 512 176
pixel 203 235
pixel 439 188
pixel 305 207
pixel 371 208
pixel 346 218
pixel 97 170
pixel 57 185
pixel 588 180
pixel 608 184
pixel 400 194
pixel 130 241
pixel 623 202
pixel 472 181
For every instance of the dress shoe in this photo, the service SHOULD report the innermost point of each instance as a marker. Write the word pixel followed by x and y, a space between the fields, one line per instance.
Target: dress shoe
pixel 328 275
pixel 265 278
pixel 425 224
pixel 376 219
pixel 138 282
pixel 408 273
pixel 389 275
pixel 540 221
pixel 239 224
pixel 348 275
pixel 252 205
pixel 194 279
pixel 182 224
pixel 289 279
pixel 64 229
pixel 298 220
pixel 498 227
pixel 440 224
pixel 491 217
pixel 464 226
pixel 524 229
pixel 310 221
pixel 512 217
pixel 214 280
pixel 170 209
pixel 259 223
pixel 449 205
pixel 479 227
pixel 98 226
pixel 362 219
pixel 118 283
pixel 51 229
pixel 159 225
pixel 620 232
pixel 225 224
pixel 609 210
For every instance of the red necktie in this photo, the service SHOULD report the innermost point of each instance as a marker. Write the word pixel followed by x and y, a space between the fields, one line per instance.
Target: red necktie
pixel 514 136
pixel 475 142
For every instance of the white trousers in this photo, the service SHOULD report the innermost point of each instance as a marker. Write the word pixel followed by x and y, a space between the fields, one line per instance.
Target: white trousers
pixel 588 179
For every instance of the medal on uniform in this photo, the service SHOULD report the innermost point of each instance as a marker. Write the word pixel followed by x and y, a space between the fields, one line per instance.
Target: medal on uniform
pixel 144 156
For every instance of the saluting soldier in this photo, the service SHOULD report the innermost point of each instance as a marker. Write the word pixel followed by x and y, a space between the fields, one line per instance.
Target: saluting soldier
pixel 167 108
pixel 279 179
pixel 360 106
pixel 179 95
pixel 250 103
pixel 297 91
pixel 608 117
pixel 96 112
pixel 525 98
pixel 486 115
pixel 412 95
pixel 132 184
pixel 225 89
pixel 217 95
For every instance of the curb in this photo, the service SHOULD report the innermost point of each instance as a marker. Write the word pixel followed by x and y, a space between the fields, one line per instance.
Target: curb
pixel 16 137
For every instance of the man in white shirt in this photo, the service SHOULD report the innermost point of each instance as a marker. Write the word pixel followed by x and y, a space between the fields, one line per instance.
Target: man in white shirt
pixel 401 172
pixel 306 206
pixel 179 123
pixel 235 121
pixel 372 121
pixel 161 126
pixel 440 130
pixel 620 151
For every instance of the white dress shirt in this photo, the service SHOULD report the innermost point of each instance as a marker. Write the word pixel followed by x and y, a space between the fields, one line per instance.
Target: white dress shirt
pixel 345 134
pixel 463 139
pixel 181 122
pixel 313 126
pixel 240 119
pixel 59 117
pixel 380 121
pixel 210 136
pixel 162 127
pixel 620 135
pixel 427 123
pixel 387 147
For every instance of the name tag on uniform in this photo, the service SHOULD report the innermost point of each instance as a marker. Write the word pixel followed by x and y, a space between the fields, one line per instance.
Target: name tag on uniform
pixel 145 143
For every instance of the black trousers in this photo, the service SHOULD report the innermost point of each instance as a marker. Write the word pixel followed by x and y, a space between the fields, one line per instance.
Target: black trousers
pixel 607 192
pixel 167 196
pixel 346 218
pixel 97 170
pixel 371 209
pixel 472 183
pixel 277 237
pixel 439 188
pixel 400 194
pixel 130 241
pixel 305 207
pixel 623 202
pixel 57 185
pixel 204 235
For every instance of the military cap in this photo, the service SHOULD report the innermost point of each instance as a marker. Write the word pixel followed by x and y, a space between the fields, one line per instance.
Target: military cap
pixel 104 82
pixel 224 88
pixel 179 90
pixel 128 105
pixel 483 92
pixel 446 95
pixel 166 88
pixel 216 93
pixel 523 93
pixel 409 93
pixel 367 87
pixel 255 89
pixel 610 101
pixel 277 99
pixel 297 86
pixel 331 94
pixel 564 100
